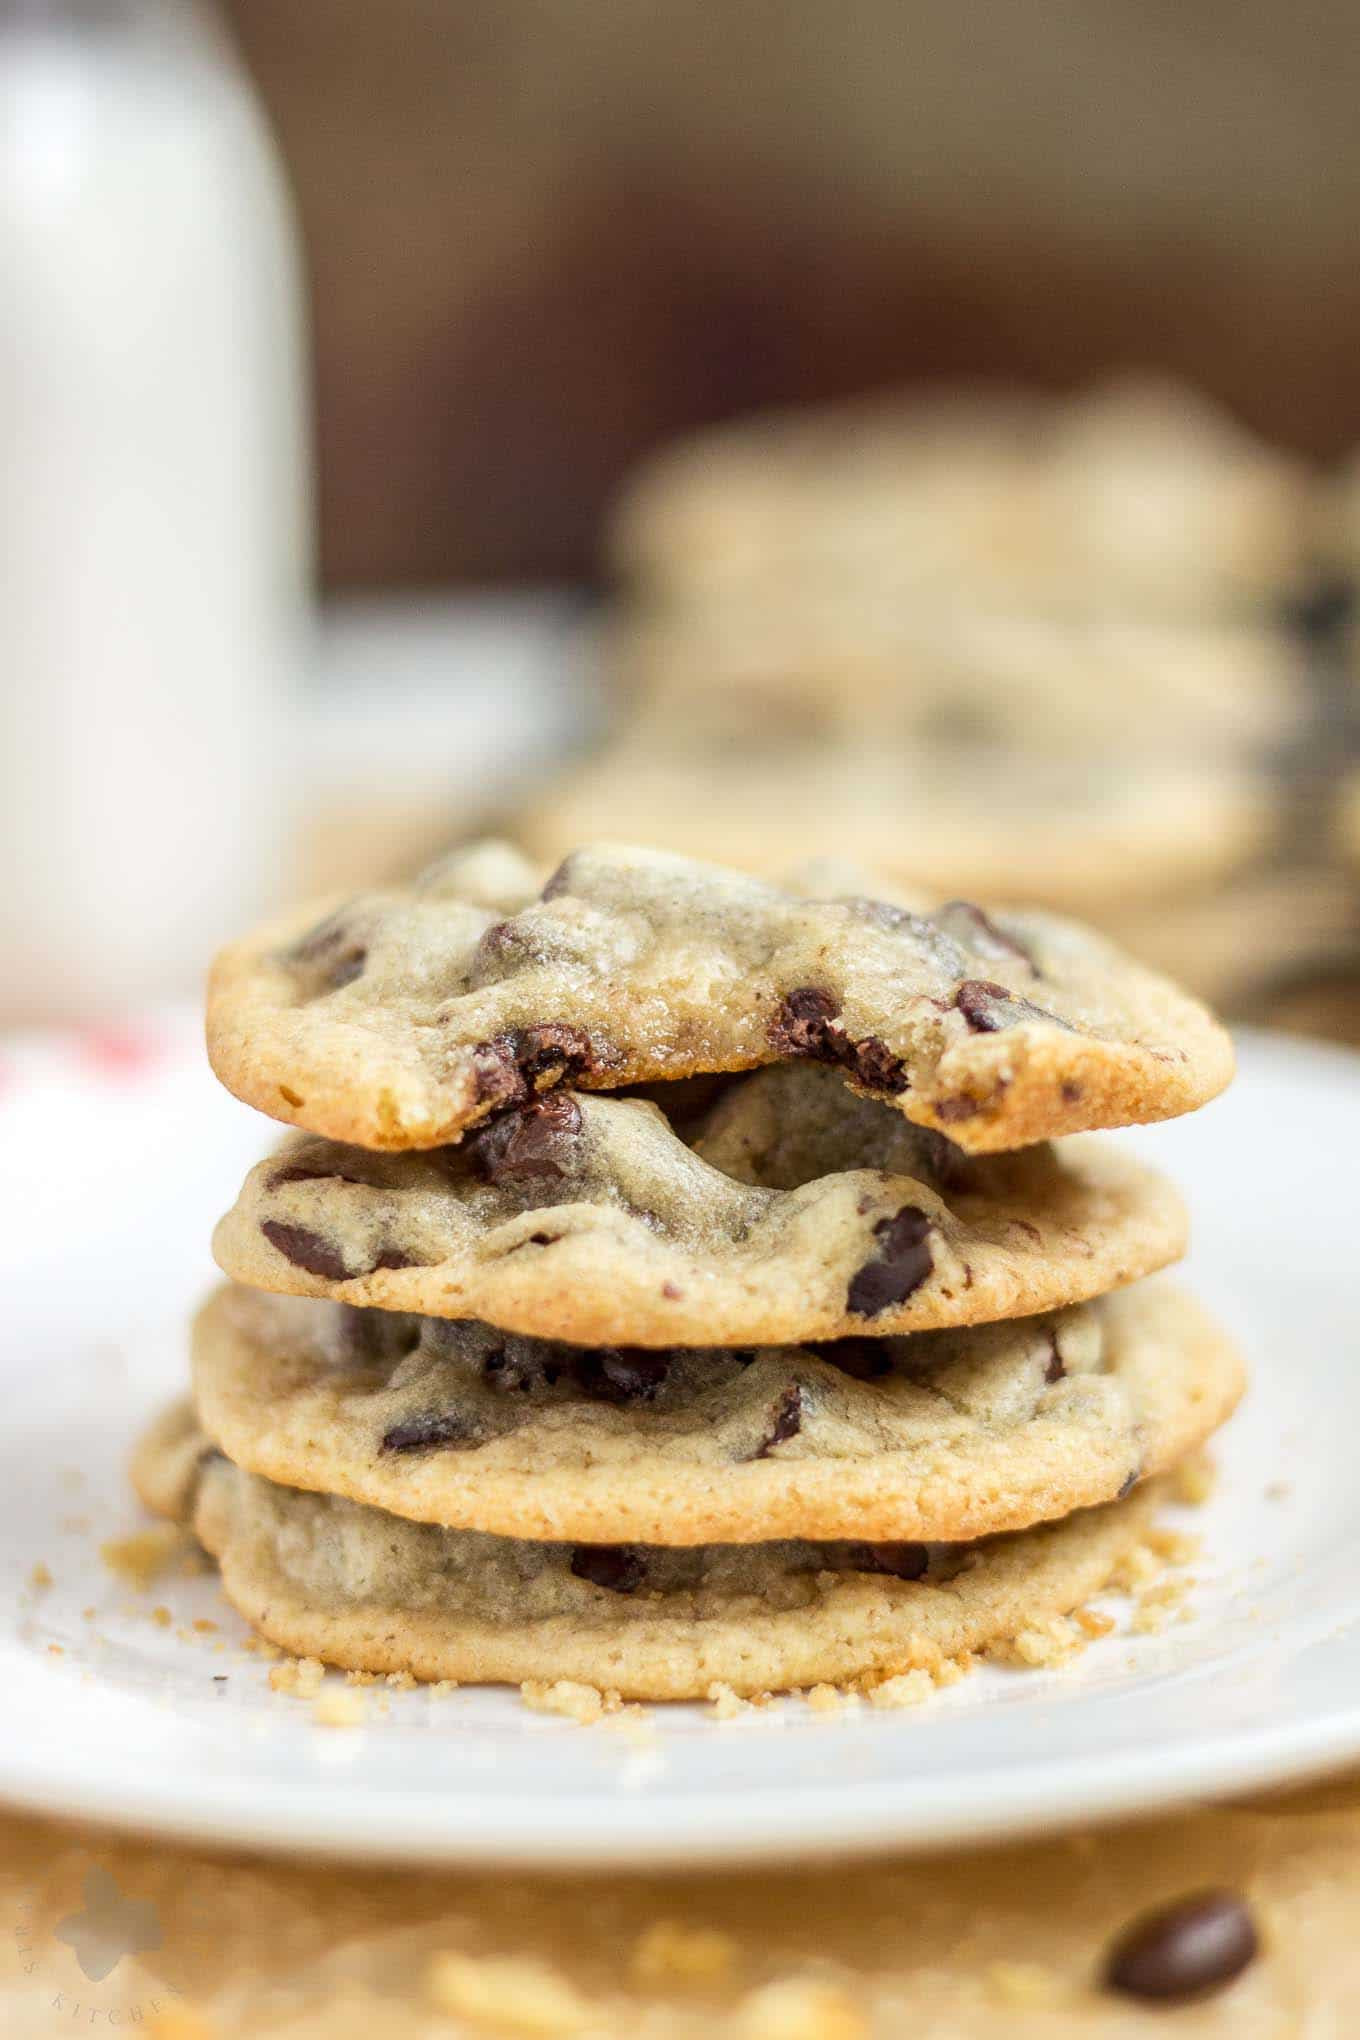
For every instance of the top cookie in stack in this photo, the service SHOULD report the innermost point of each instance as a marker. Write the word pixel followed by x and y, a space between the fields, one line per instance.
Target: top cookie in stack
pixel 675 1284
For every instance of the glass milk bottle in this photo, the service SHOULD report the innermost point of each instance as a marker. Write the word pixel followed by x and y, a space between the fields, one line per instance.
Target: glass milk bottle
pixel 154 481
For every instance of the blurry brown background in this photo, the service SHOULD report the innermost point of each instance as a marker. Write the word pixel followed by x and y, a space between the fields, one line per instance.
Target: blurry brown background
pixel 547 233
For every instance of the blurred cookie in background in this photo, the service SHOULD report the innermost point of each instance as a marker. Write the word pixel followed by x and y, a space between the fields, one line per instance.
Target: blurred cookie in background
pixel 824 667
pixel 1139 495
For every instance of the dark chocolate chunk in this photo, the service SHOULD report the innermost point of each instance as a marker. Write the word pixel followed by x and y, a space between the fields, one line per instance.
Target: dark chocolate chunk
pixel 496 1076
pixel 320 1256
pixel 552 1051
pixel 331 955
pixel 988 1008
pixel 620 1567
pixel 621 1374
pixel 872 1063
pixel 1183 1951
pixel 807 1024
pixel 1321 613
pixel 1129 1482
pixel 901 1265
pixel 1055 1370
pixel 861 1359
pixel 786 1421
pixel 977 931
pixel 902 1561
pixel 539 1140
pixel 307 1172
pixel 801 1024
pixel 307 1249
pixel 418 1434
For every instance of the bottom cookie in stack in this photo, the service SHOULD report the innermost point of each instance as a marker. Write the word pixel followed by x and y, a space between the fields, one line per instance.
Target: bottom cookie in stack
pixel 394 1493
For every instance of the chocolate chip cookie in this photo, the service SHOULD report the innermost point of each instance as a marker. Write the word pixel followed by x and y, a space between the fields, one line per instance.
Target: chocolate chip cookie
pixel 328 1578
pixel 949 1434
pixel 402 1019
pixel 786 1208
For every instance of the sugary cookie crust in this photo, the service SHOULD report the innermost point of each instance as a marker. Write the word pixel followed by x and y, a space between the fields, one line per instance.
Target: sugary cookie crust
pixel 325 1579
pixel 405 1018
pixel 945 1435
pixel 784 1209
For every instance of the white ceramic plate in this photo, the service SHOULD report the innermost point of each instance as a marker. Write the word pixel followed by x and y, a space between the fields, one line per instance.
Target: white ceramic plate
pixel 118 1153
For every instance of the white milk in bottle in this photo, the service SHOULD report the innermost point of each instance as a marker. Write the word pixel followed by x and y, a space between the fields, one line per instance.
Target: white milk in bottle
pixel 154 478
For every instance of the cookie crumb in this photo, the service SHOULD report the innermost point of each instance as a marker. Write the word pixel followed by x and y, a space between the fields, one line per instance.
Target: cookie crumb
pixel 1092 1622
pixel 726 1704
pixel 569 1697
pixel 906 1689
pixel 1023 1986
pixel 401 1682
pixel 339 1707
pixel 1041 1645
pixel 205 1626
pixel 826 1699
pixel 442 1688
pixel 511 1994
pixel 362 1678
pixel 1157 1603
pixel 1174 1546
pixel 161 1616
pixel 144 1556
pixel 1137 1568
pixel 40 1578
pixel 697 1957
pixel 799 2010
pixel 300 1676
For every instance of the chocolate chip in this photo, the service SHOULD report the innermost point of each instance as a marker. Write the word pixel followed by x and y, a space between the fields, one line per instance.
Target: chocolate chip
pixel 561 880
pixel 1055 1370
pixel 900 1266
pixel 307 1172
pixel 861 1359
pixel 554 1050
pixel 988 1008
pixel 800 1026
pixel 510 1068
pixel 786 1421
pixel 495 1074
pixel 902 1561
pixel 620 1567
pixel 531 1366
pixel 621 1374
pixel 307 1249
pixel 320 1256
pixel 872 1063
pixel 418 1434
pixel 331 956
pixel 1183 1951
pixel 540 1140
pixel 808 1025
pixel 977 931
pixel 1321 613
pixel 1129 1482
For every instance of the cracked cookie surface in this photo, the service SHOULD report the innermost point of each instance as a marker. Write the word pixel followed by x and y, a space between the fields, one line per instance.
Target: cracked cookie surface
pixel 942 1435
pixel 355 1587
pixel 403 1018
pixel 781 1208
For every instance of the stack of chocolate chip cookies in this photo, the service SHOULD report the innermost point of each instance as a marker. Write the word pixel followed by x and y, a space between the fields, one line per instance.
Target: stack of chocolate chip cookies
pixel 682 1281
